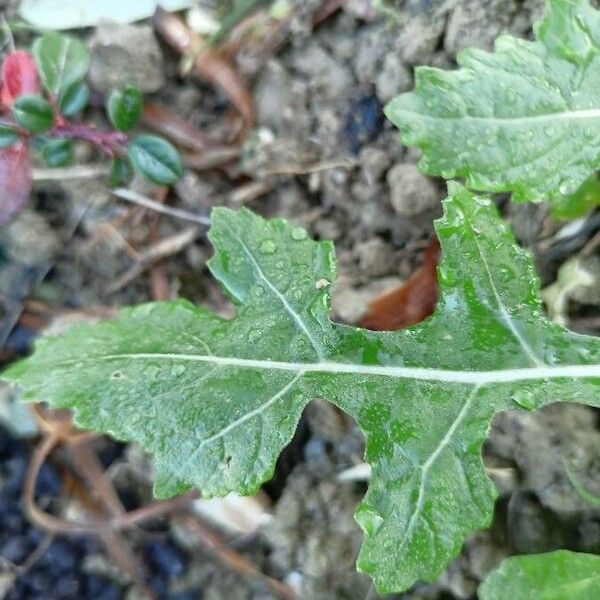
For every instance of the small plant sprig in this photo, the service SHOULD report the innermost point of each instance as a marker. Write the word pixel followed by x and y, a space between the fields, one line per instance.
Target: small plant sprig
pixel 40 95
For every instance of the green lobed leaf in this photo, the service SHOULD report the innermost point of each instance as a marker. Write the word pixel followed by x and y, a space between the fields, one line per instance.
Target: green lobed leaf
pixel 124 107
pixel 57 152
pixel 523 119
pixel 73 98
pixel 33 113
pixel 560 575
pixel 8 136
pixel 156 159
pixel 61 60
pixel 217 400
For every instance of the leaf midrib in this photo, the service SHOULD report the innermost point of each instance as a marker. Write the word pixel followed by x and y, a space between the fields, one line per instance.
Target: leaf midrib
pixel 419 373
pixel 587 113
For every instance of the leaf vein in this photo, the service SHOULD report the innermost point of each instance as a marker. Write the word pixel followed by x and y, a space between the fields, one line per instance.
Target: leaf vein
pixel 426 467
pixel 249 415
pixel 287 306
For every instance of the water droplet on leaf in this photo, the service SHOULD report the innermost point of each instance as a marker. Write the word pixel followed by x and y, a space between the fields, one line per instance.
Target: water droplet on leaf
pixel 152 371
pixel 369 520
pixel 177 370
pixel 299 234
pixel 566 187
pixel 267 247
pixel 524 399
pixel 254 335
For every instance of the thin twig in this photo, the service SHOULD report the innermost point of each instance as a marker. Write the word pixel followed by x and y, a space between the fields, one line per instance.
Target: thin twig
pixel 89 171
pixel 53 524
pixel 211 542
pixel 140 200
pixel 211 158
pixel 166 247
pixel 101 499
pixel 35 514
pixel 176 128
pixel 250 191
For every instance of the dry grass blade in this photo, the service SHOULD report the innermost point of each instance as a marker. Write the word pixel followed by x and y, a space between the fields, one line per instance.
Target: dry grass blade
pixel 211 542
pixel 328 8
pixel 159 207
pixel 217 156
pixel 166 247
pixel 88 171
pixel 178 130
pixel 56 525
pixel 210 64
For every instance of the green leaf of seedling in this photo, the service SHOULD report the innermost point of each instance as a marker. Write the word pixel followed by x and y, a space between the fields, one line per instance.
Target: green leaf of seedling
pixel 33 113
pixel 581 202
pixel 124 108
pixel 216 400
pixel 156 159
pixel 120 171
pixel 61 60
pixel 8 136
pixel 523 119
pixel 73 98
pixel 57 152
pixel 560 575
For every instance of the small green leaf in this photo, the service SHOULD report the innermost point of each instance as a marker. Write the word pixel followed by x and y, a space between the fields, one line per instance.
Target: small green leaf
pixel 33 113
pixel 73 98
pixel 57 152
pixel 587 197
pixel 560 575
pixel 523 119
pixel 124 108
pixel 8 136
pixel 120 171
pixel 61 60
pixel 216 400
pixel 155 159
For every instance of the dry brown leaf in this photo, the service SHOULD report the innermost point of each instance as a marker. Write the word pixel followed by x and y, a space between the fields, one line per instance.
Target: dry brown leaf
pixel 410 303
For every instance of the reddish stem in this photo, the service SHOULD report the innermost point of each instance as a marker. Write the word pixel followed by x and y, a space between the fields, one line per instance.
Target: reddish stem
pixel 110 142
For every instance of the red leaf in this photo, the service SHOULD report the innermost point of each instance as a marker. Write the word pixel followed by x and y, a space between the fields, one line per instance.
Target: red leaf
pixel 15 180
pixel 410 303
pixel 19 77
